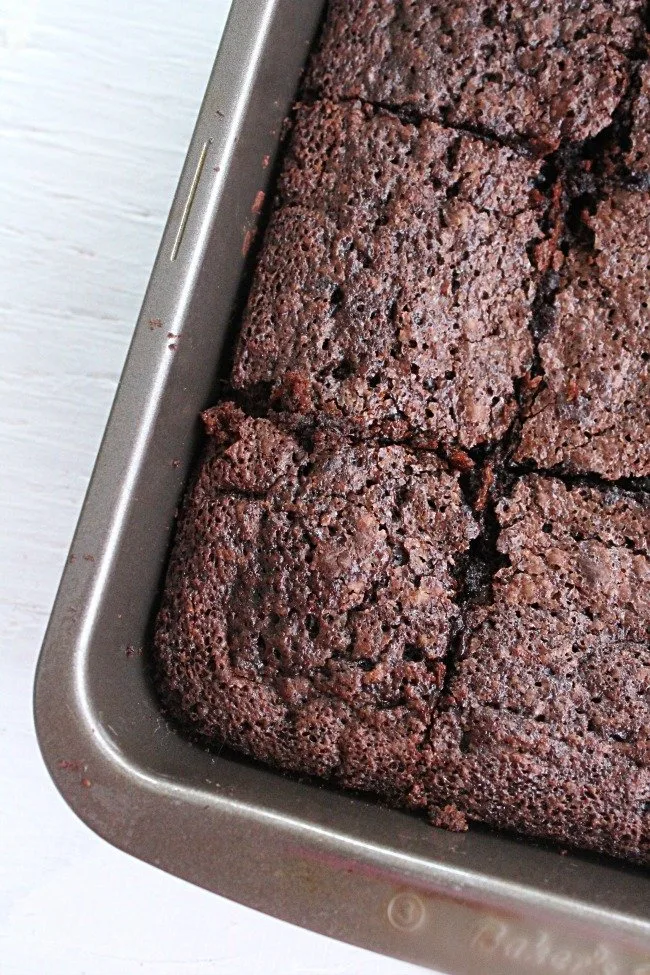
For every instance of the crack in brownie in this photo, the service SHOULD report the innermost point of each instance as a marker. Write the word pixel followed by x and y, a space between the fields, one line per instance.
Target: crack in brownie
pixel 592 413
pixel 541 70
pixel 552 688
pixel 393 294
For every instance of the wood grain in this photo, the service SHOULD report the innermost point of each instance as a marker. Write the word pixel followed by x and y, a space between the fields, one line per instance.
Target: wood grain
pixel 97 103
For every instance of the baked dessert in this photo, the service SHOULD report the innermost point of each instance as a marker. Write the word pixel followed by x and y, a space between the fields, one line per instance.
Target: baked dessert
pixel 317 616
pixel 397 279
pixel 549 701
pixel 540 70
pixel 592 412
pixel 415 558
pixel 311 601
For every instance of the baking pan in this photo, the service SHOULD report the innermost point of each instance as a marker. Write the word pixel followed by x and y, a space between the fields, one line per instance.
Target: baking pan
pixel 475 903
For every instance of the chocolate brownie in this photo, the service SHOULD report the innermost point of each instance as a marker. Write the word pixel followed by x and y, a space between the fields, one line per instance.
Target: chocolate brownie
pixel 593 411
pixel 395 285
pixel 552 727
pixel 431 294
pixel 310 601
pixel 637 157
pixel 544 70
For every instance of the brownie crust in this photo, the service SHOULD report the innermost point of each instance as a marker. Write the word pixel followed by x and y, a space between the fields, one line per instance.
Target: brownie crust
pixel 592 413
pixel 394 291
pixel 545 71
pixel 637 158
pixel 415 558
pixel 551 696
pixel 310 601
pixel 311 617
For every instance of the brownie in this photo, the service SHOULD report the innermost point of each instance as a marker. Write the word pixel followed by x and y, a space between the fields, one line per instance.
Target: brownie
pixel 311 613
pixel 422 568
pixel 637 157
pixel 394 289
pixel 550 730
pixel 311 599
pixel 593 410
pixel 542 70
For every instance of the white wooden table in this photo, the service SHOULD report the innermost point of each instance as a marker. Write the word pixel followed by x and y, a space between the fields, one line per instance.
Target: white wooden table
pixel 97 103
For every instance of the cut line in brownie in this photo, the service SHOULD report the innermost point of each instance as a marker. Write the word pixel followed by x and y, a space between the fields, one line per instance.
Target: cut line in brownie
pixel 310 601
pixel 395 284
pixel 550 71
pixel 311 605
pixel 551 736
pixel 592 413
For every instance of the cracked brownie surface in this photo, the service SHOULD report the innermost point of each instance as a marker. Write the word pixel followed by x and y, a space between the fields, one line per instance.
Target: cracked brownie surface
pixel 313 596
pixel 542 70
pixel 592 413
pixel 550 692
pixel 396 282
pixel 414 559
pixel 637 157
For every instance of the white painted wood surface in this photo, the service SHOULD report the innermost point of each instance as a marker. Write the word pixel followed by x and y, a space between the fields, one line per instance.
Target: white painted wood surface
pixel 97 103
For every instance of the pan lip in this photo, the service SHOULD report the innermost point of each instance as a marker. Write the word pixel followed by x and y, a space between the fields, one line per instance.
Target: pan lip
pixel 195 200
pixel 61 684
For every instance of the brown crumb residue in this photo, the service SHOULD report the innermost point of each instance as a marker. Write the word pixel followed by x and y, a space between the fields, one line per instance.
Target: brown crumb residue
pixel 448 817
pixel 487 480
pixel 79 768
pixel 249 237
pixel 258 202
pixel 459 460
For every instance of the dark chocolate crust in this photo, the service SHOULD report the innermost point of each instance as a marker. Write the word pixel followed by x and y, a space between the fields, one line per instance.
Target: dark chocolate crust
pixel 550 696
pixel 592 413
pixel 310 601
pixel 395 287
pixel 312 606
pixel 541 70
pixel 637 157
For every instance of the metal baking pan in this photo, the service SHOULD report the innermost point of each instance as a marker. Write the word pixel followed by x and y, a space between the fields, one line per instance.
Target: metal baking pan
pixel 475 903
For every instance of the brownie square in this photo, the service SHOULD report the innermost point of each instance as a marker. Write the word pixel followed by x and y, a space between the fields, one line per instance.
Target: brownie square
pixel 395 284
pixel 553 687
pixel 310 601
pixel 543 71
pixel 637 158
pixel 593 411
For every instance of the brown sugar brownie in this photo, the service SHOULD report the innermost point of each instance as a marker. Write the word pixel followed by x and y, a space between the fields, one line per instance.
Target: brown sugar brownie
pixel 637 157
pixel 544 70
pixel 553 687
pixel 310 601
pixel 395 284
pixel 593 412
